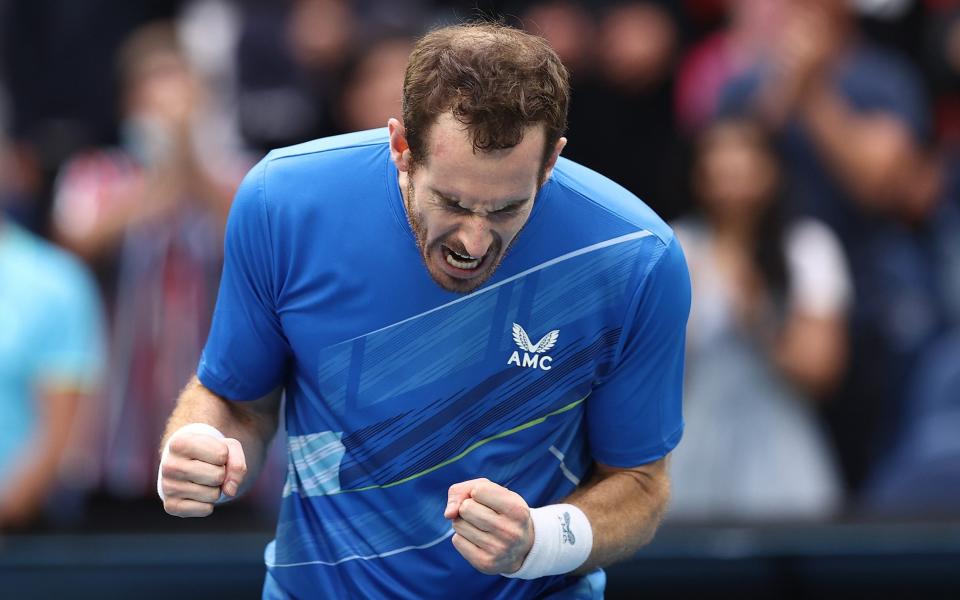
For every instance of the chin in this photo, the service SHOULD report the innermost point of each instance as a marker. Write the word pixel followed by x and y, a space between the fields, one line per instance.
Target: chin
pixel 460 286
pixel 456 284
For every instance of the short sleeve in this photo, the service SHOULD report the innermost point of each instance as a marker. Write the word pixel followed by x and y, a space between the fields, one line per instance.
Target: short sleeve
pixel 635 415
pixel 71 354
pixel 820 280
pixel 246 351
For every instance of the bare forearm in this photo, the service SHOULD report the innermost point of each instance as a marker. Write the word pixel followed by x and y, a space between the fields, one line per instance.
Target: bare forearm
pixel 36 474
pixel 253 423
pixel 866 153
pixel 624 508
pixel 812 352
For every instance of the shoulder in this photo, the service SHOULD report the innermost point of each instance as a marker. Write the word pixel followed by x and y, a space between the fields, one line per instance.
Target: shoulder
pixel 330 152
pixel 872 59
pixel 610 203
pixel 332 144
pixel 877 79
pixel 90 184
pixel 820 277
pixel 806 235
pixel 49 273
pixel 319 169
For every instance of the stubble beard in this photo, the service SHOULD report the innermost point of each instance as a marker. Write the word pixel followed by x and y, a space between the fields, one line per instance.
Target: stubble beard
pixel 451 284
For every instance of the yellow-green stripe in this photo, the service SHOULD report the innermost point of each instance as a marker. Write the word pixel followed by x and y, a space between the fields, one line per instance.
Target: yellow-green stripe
pixel 468 450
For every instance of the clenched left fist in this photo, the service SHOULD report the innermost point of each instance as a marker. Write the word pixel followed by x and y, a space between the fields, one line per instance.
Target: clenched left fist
pixel 492 525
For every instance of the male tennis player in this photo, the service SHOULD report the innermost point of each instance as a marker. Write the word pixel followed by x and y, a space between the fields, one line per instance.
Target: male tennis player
pixel 494 425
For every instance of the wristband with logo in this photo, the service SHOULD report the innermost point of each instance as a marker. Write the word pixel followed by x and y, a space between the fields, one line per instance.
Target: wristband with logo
pixel 562 542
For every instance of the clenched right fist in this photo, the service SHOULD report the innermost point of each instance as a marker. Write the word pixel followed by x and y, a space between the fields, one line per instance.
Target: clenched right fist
pixel 198 464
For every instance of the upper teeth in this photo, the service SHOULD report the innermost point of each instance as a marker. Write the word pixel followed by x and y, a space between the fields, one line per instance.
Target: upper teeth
pixel 462 262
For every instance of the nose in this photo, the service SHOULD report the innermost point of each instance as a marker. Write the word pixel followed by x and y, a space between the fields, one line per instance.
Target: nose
pixel 475 236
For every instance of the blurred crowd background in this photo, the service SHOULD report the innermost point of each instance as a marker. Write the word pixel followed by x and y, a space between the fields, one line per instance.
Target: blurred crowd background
pixel 804 150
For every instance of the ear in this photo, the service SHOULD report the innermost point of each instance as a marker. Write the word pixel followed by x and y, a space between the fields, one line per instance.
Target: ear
pixel 399 149
pixel 552 161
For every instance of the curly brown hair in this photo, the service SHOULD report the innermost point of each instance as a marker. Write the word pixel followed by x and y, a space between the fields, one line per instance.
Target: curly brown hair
pixel 494 79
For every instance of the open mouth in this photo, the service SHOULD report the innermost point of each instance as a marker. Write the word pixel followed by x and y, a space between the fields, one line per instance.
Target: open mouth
pixel 463 262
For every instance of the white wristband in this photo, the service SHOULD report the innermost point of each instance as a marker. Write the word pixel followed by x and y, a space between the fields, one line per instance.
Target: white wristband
pixel 562 540
pixel 189 428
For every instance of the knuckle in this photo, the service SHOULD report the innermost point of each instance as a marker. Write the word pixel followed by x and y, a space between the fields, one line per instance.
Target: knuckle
pixel 180 445
pixel 210 494
pixel 169 487
pixel 510 533
pixel 170 469
pixel 487 565
pixel 221 454
pixel 518 512
pixel 172 506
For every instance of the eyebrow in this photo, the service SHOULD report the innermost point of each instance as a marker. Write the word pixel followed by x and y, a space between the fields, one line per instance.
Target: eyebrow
pixel 507 205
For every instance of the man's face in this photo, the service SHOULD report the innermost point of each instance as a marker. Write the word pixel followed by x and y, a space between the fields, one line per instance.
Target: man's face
pixel 466 208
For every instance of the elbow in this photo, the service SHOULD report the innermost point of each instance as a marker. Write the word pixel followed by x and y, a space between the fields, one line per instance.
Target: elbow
pixel 656 489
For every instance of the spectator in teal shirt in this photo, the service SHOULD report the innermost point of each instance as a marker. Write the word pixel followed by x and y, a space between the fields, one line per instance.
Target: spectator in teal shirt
pixel 51 361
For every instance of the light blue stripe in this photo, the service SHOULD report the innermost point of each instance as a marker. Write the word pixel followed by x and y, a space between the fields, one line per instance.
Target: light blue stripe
pixel 592 248
pixel 429 544
pixel 315 463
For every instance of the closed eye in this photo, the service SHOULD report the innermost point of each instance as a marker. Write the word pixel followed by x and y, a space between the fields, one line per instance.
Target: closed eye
pixel 506 212
pixel 453 205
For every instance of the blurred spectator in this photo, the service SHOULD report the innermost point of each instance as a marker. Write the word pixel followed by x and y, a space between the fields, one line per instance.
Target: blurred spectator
pixel 850 120
pixel 943 64
pixel 150 215
pixel 621 117
pixel 710 64
pixel 570 30
pixel 52 55
pixel 921 476
pixel 19 180
pixel 290 59
pixel 766 339
pixel 372 86
pixel 51 361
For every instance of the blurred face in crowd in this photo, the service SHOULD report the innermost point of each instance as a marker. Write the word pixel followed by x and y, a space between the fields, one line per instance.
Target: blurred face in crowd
pixel 372 93
pixel 569 29
pixel 735 175
pixel 318 33
pixel 466 207
pixel 637 45
pixel 162 87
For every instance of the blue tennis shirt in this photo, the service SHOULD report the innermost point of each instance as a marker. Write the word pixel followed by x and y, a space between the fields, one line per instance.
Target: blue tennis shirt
pixel 396 389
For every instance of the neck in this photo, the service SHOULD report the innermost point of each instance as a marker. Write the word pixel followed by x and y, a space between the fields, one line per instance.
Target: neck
pixel 737 231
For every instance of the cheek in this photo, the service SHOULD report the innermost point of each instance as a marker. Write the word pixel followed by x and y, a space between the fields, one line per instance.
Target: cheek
pixel 437 224
pixel 512 228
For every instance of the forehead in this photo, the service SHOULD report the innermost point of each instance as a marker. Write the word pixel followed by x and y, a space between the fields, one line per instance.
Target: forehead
pixel 454 167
